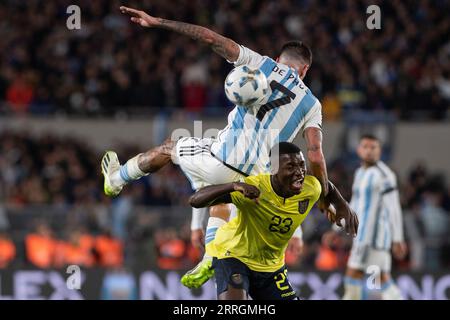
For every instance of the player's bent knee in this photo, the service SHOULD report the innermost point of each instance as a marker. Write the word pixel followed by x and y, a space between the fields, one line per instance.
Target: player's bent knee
pixel 220 211
pixel 354 273
pixel 233 293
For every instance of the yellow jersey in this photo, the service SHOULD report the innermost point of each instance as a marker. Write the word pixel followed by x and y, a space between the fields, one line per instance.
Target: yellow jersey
pixel 259 234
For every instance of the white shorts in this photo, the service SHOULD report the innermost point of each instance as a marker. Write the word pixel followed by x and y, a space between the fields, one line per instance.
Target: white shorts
pixel 194 157
pixel 364 256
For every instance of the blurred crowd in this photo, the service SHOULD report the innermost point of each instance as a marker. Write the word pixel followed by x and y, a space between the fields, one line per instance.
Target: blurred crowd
pixel 53 213
pixel 110 64
pixel 53 185
pixel 42 248
pixel 65 172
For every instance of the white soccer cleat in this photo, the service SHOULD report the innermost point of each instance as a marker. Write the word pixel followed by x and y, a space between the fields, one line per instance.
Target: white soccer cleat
pixel 110 165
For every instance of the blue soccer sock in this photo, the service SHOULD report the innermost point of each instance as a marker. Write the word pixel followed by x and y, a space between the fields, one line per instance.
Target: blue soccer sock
pixel 128 172
pixel 353 289
pixel 214 224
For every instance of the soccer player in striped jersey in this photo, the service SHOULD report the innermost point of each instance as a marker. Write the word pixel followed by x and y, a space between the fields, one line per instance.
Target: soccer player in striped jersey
pixel 242 148
pixel 376 200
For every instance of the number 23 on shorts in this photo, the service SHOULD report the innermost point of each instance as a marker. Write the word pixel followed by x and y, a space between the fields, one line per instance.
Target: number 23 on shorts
pixel 281 282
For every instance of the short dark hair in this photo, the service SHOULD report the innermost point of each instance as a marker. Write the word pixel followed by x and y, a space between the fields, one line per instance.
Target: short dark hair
pixel 297 50
pixel 285 148
pixel 369 136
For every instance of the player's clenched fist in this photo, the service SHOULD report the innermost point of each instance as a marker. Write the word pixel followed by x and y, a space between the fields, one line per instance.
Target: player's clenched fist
pixel 247 190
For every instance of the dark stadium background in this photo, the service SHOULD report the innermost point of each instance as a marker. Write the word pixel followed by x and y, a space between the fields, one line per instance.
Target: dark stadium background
pixel 66 96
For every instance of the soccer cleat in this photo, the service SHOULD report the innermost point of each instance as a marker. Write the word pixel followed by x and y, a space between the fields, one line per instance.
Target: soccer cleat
pixel 197 276
pixel 110 164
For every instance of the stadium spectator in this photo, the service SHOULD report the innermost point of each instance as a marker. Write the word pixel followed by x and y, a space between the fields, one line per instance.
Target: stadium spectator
pixel 40 247
pixel 77 250
pixel 171 250
pixel 19 95
pixel 109 250
pixel 436 226
pixel 192 254
pixel 7 250
pixel 118 284
pixel 292 258
pixel 327 258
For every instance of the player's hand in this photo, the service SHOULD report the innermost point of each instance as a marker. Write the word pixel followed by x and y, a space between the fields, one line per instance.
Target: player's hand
pixel 328 209
pixel 343 211
pixel 399 250
pixel 248 190
pixel 198 238
pixel 140 17
pixel 295 246
pixel 330 212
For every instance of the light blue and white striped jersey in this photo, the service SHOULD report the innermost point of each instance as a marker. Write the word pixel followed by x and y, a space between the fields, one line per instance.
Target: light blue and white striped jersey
pixel 376 201
pixel 250 134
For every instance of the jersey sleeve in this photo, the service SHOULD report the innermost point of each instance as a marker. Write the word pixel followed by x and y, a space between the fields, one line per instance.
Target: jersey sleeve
pixel 391 200
pixel 314 117
pixel 248 57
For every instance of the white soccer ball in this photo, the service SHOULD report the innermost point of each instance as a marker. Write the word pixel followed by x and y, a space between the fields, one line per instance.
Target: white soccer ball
pixel 245 86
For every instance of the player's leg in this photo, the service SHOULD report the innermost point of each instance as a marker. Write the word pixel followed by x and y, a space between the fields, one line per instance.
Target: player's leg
pixel 379 284
pixel 218 216
pixel 203 271
pixel 353 284
pixel 202 168
pixel 116 175
pixel 389 290
pixel 271 285
pixel 354 276
pixel 232 279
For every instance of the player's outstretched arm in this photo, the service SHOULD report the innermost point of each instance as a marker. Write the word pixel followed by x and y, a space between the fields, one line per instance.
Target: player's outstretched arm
pixel 220 193
pixel 225 47
pixel 317 164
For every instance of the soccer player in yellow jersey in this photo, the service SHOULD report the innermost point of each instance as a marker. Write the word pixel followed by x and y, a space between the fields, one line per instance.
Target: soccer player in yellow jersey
pixel 249 250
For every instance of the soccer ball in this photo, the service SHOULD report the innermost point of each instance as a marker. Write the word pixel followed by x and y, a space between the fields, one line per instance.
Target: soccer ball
pixel 245 86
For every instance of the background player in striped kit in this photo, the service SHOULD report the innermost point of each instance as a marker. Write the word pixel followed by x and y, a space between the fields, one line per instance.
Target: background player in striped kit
pixel 376 200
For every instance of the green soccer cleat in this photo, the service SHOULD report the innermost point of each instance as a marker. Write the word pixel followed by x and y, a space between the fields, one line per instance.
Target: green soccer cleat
pixel 197 276
pixel 110 164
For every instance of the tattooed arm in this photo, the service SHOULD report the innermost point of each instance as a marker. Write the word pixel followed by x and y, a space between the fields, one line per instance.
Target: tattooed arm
pixel 316 159
pixel 330 194
pixel 223 46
